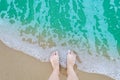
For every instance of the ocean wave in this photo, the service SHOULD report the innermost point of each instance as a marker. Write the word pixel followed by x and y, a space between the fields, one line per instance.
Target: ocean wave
pixel 37 28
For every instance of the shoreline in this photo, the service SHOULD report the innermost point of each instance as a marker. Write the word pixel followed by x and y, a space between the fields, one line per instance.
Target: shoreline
pixel 16 65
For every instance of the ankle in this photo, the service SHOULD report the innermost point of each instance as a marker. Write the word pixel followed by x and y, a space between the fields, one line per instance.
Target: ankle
pixel 56 70
pixel 69 69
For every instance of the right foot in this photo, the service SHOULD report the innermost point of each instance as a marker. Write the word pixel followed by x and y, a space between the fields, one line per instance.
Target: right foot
pixel 71 58
pixel 54 59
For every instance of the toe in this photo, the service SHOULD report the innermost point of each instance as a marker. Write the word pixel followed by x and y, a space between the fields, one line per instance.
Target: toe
pixel 54 59
pixel 69 51
pixel 71 57
pixel 54 55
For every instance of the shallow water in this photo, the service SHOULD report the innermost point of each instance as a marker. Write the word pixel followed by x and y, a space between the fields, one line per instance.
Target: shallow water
pixel 89 27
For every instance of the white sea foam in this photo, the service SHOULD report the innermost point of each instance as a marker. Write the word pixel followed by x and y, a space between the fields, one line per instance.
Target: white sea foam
pixel 94 63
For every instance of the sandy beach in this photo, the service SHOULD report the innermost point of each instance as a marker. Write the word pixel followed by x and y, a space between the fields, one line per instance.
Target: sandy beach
pixel 15 65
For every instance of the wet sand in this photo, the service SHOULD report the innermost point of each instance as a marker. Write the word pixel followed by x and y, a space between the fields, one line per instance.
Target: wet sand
pixel 15 65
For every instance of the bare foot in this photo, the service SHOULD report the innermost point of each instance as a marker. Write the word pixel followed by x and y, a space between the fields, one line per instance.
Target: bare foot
pixel 71 58
pixel 54 59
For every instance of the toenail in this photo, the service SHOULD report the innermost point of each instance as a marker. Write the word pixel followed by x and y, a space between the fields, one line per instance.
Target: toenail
pixel 69 51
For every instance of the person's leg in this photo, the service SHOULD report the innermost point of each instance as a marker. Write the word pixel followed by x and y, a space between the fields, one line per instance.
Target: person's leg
pixel 54 59
pixel 71 58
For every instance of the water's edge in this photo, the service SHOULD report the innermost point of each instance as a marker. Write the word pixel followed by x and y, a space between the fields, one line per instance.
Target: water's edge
pixel 89 27
pixel 92 63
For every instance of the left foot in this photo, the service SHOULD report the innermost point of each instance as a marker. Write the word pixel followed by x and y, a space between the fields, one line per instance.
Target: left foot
pixel 54 59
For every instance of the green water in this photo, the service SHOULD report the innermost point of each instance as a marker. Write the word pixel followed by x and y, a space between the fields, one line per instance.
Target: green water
pixel 92 26
pixel 65 17
pixel 112 14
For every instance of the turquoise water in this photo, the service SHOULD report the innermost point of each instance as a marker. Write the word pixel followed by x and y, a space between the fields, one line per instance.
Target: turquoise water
pixel 90 27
